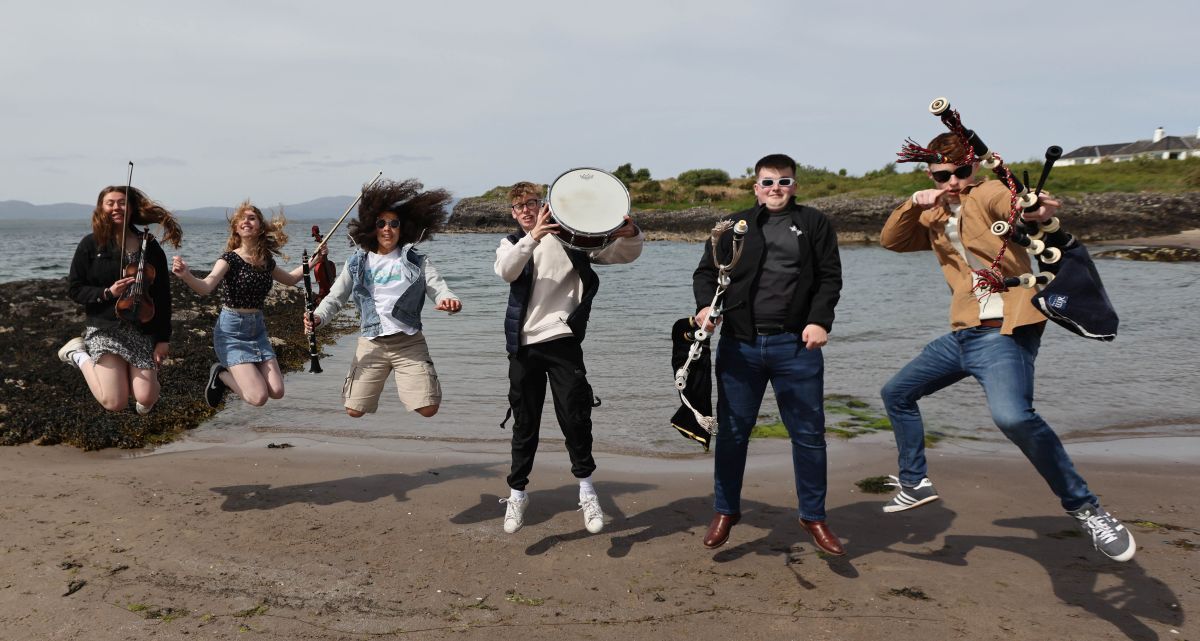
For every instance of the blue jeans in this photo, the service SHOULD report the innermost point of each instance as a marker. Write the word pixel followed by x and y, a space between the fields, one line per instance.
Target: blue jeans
pixel 1003 365
pixel 798 377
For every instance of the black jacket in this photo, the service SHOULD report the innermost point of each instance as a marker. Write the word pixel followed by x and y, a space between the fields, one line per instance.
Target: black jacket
pixel 521 288
pixel 819 283
pixel 95 268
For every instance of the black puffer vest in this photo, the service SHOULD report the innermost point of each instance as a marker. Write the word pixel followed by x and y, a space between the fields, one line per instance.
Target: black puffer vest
pixel 521 288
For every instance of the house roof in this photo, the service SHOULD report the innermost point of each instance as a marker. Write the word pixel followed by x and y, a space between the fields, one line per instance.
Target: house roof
pixel 1168 143
pixel 1095 151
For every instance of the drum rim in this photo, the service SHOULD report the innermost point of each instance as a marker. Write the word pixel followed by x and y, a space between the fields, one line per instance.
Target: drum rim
pixel 628 198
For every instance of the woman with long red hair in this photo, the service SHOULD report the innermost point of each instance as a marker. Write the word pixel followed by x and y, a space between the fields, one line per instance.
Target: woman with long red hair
pixel 119 354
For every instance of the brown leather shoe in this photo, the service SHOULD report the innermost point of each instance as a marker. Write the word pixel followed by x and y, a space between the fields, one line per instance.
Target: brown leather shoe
pixel 823 537
pixel 718 530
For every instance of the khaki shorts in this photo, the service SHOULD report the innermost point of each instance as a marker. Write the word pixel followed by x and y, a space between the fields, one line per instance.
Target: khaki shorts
pixel 416 380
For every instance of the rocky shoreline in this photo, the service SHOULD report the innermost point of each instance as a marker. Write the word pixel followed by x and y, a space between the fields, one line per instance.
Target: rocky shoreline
pixel 45 401
pixel 1092 217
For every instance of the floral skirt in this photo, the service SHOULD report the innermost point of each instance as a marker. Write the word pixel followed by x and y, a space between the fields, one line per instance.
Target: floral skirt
pixel 124 341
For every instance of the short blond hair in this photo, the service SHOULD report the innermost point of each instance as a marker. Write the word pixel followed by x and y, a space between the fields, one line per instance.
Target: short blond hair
pixel 523 191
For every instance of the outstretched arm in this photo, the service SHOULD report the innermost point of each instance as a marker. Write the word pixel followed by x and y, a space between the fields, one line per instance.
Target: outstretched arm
pixel 204 286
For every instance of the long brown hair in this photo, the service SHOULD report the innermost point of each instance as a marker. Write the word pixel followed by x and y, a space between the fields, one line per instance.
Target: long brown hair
pixel 271 237
pixel 421 213
pixel 140 210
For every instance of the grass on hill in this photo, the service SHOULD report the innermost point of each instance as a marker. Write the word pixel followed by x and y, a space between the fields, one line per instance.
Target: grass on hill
pixel 1164 176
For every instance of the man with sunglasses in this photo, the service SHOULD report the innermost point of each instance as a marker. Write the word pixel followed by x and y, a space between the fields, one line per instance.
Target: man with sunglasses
pixel 551 288
pixel 994 339
pixel 778 310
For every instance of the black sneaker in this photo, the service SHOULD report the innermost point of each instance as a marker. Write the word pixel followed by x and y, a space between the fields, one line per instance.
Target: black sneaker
pixel 909 497
pixel 1106 532
pixel 214 392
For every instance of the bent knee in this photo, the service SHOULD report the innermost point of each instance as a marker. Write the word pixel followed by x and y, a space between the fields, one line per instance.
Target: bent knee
pixel 428 410
pixel 353 413
pixel 1017 424
pixel 893 394
pixel 257 400
pixel 113 404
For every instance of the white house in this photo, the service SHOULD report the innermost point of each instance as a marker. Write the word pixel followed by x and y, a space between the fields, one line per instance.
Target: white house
pixel 1161 146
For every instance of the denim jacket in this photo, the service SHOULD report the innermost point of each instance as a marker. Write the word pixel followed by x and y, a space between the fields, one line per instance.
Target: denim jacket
pixel 354 280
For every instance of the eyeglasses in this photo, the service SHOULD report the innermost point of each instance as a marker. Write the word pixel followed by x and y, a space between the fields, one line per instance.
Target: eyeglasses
pixel 961 173
pixel 532 203
pixel 390 222
pixel 770 182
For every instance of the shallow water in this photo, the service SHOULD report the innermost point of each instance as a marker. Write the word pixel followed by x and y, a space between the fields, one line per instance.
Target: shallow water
pixel 1143 384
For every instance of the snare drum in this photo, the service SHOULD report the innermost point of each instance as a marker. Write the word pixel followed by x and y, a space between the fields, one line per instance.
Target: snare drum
pixel 588 205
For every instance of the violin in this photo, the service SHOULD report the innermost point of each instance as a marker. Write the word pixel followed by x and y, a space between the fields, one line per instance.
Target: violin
pixel 324 272
pixel 135 304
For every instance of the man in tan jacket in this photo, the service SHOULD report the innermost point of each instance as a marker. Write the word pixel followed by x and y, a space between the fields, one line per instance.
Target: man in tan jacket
pixel 993 338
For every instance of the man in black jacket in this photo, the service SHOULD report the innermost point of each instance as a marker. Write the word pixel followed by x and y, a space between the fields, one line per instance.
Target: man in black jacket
pixel 778 310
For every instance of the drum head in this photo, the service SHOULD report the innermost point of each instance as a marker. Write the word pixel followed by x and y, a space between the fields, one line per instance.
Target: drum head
pixel 589 201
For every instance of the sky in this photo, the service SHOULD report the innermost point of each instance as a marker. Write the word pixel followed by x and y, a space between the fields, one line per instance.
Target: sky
pixel 283 102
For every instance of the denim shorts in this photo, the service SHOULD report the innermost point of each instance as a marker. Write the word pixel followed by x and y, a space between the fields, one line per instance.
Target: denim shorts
pixel 241 337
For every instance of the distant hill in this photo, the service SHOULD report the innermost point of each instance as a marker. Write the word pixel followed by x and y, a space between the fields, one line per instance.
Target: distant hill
pixel 318 209
pixel 327 208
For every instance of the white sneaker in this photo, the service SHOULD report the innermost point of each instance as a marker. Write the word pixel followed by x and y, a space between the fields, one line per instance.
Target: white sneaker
pixel 593 516
pixel 66 353
pixel 514 514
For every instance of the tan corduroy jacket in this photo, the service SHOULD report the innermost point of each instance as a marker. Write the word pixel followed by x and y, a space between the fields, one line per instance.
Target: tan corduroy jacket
pixel 909 229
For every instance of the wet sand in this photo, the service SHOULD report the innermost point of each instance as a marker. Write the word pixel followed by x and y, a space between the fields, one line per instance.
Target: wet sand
pixel 349 541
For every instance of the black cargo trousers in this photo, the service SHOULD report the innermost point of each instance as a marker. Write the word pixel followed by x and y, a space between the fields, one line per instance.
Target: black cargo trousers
pixel 560 360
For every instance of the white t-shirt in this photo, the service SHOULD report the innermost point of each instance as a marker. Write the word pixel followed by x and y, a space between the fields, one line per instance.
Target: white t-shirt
pixel 989 306
pixel 389 276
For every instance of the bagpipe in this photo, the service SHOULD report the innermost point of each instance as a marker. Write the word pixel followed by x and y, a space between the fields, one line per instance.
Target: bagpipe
pixel 691 355
pixel 1068 287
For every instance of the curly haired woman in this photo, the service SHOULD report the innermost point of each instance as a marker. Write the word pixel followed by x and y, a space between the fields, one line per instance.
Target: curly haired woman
pixel 389 279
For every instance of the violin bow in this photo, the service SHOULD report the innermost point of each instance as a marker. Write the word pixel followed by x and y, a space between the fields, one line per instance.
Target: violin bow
pixel 125 221
pixel 329 235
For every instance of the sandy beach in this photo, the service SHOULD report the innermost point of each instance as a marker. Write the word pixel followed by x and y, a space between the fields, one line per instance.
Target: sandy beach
pixel 348 541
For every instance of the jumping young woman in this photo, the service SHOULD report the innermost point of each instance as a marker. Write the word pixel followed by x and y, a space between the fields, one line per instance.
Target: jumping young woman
pixel 128 326
pixel 246 363
pixel 389 280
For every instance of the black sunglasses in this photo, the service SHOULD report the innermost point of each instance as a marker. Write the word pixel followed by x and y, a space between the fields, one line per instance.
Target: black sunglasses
pixel 391 222
pixel 961 173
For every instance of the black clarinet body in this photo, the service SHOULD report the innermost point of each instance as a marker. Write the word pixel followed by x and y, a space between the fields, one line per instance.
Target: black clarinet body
pixel 310 305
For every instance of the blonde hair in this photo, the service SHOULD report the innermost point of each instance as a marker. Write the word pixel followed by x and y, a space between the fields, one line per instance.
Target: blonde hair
pixel 524 191
pixel 271 237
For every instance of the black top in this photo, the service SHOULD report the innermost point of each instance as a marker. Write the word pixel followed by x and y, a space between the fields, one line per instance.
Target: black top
pixel 94 269
pixel 818 272
pixel 245 286
pixel 781 262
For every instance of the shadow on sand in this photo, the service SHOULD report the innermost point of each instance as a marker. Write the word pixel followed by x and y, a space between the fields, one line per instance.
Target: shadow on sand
pixel 356 489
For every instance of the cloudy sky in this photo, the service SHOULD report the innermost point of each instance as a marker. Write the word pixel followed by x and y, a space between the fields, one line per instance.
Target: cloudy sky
pixel 283 102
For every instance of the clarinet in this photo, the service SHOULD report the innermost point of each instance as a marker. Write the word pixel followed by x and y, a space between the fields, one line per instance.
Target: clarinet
pixel 310 305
